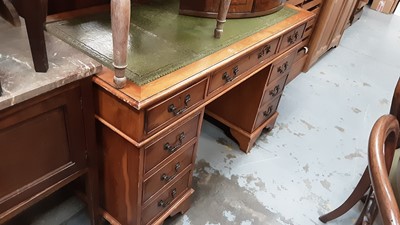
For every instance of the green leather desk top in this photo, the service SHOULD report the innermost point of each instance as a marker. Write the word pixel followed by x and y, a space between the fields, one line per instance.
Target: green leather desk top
pixel 161 41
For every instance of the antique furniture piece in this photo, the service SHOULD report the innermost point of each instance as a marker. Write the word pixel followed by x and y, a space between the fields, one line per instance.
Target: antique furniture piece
pixel 47 127
pixel 237 9
pixel 148 134
pixel 363 187
pixel 313 6
pixel 329 29
pixel 382 144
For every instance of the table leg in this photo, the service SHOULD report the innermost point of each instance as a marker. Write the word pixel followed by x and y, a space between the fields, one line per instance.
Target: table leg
pixel 221 17
pixel 120 21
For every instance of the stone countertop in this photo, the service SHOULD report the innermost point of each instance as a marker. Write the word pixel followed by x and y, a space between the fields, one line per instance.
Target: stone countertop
pixel 18 78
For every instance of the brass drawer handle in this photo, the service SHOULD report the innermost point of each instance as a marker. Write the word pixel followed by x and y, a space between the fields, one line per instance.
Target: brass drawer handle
pixel 282 68
pixel 293 38
pixel 275 91
pixel 172 109
pixel 226 77
pixel 167 202
pixel 268 112
pixel 264 51
pixel 165 177
pixel 229 78
pixel 176 145
pixel 235 71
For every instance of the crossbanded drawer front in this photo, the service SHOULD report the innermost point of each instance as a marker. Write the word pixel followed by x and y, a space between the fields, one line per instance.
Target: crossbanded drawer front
pixel 265 52
pixel 166 199
pixel 281 68
pixel 234 70
pixel 170 144
pixel 168 173
pixel 273 90
pixel 175 106
pixel 292 37
pixel 229 73
pixel 266 111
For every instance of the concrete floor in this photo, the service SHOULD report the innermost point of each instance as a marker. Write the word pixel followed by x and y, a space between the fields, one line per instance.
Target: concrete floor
pixel 317 151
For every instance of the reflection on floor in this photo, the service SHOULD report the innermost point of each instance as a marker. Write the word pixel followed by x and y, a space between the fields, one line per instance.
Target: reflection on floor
pixel 314 156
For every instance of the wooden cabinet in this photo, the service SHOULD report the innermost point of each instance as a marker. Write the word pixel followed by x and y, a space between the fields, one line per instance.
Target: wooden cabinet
pixel 329 29
pixel 45 143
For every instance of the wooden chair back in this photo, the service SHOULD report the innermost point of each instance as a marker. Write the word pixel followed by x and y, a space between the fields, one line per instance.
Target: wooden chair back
pixel 382 144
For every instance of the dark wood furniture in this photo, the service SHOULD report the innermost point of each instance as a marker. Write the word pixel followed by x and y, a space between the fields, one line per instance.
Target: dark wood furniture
pixel 45 143
pixel 237 8
pixel 381 147
pixel 363 190
pixel 148 135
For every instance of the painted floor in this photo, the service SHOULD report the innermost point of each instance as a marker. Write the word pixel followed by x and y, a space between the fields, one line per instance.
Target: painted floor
pixel 313 157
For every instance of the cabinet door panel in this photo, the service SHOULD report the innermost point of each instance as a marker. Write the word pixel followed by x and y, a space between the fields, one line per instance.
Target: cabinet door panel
pixel 40 145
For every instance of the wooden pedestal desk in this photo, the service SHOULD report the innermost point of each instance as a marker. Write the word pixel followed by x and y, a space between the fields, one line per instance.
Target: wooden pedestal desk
pixel 148 135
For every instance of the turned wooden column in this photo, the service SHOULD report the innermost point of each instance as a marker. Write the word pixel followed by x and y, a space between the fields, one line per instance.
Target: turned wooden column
pixel 221 17
pixel 120 21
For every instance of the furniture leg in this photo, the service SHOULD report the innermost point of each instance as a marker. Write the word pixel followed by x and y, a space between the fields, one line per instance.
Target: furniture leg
pixel 245 141
pixel 35 16
pixel 120 21
pixel 358 193
pixel 221 17
pixel 364 218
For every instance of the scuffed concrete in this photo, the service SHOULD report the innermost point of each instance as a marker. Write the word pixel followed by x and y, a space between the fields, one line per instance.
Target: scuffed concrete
pixel 224 201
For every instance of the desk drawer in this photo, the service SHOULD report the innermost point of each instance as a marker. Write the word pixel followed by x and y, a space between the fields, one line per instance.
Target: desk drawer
pixel 292 37
pixel 166 199
pixel 229 73
pixel 234 70
pixel 172 142
pixel 265 52
pixel 175 106
pixel 168 173
pixel 266 111
pixel 281 68
pixel 269 123
pixel 273 90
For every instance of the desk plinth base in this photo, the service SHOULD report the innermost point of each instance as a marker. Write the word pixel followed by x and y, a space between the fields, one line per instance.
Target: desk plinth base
pixel 246 139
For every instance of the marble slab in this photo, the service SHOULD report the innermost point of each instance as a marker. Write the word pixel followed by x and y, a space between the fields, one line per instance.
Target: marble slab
pixel 18 78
